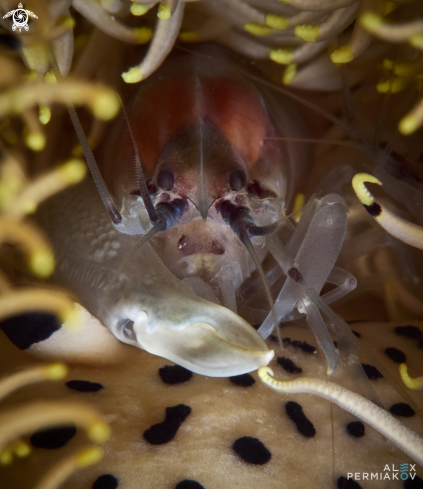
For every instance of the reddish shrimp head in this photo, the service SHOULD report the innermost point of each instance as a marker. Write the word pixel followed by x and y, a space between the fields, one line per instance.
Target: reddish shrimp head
pixel 401 229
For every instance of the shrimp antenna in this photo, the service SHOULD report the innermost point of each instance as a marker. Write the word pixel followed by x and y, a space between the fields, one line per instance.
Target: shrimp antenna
pixel 105 195
pixel 243 225
pixel 145 194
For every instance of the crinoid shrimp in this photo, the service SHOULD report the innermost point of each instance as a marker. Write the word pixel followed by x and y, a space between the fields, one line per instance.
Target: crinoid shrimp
pixel 219 200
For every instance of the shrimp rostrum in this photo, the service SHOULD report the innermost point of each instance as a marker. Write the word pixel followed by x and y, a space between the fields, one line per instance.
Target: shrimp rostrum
pixel 194 182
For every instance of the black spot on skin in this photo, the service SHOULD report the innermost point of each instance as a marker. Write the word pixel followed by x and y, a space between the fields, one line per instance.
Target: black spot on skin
pixel 174 374
pixel 245 380
pixel 371 372
pixel 10 41
pixel 26 329
pixel 274 338
pixel 396 355
pixel 304 346
pixel 416 483
pixel 53 437
pixel 252 450
pixel 164 432
pixel 303 424
pixel 374 209
pixel 106 481
pixel 189 484
pixel 412 332
pixel 356 429
pixel 402 409
pixel 421 343
pixel 84 385
pixel 344 483
pixel 356 333
pixel 289 366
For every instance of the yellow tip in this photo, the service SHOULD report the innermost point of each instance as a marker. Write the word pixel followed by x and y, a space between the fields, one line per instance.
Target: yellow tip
pixel 309 33
pixel 50 77
pixel 42 263
pixel 408 125
pixel 342 55
pixel 289 74
pixel 35 140
pixel 133 75
pixel 44 114
pixel 138 10
pixel 66 21
pixel 188 36
pixel 6 457
pixel 413 384
pixel 106 105
pixel 143 34
pixel 71 318
pixel 390 7
pixel 99 432
pixel 73 171
pixel 405 69
pixel 89 457
pixel 31 75
pixel 164 12
pixel 298 204
pixel 279 22
pixel 417 41
pixel 360 189
pixel 21 449
pixel 256 29
pixel 388 64
pixel 371 21
pixel 394 85
pixel 56 371
pixel 281 56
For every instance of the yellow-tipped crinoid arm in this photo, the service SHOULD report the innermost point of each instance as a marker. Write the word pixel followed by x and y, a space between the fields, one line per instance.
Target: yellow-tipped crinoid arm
pixel 70 173
pixel 165 35
pixel 414 384
pixel 101 100
pixel 65 468
pixel 54 371
pixel 38 300
pixel 95 13
pixel 401 229
pixel 38 415
pixel 391 32
pixel 405 439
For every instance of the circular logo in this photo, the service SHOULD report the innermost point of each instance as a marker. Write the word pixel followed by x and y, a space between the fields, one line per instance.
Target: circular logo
pixel 20 17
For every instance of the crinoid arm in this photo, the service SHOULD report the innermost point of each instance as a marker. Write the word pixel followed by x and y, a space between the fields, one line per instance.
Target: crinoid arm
pixel 405 439
pixel 401 229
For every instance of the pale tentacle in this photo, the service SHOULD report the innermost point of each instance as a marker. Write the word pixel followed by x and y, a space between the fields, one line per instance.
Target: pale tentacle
pixel 165 35
pixel 92 10
pixel 401 436
pixel 405 231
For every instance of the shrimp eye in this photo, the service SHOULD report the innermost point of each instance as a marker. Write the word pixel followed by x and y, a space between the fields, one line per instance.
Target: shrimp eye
pixel 166 180
pixel 237 180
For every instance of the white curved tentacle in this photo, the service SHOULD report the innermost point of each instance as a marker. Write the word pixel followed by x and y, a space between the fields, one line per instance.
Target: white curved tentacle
pixel 401 436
